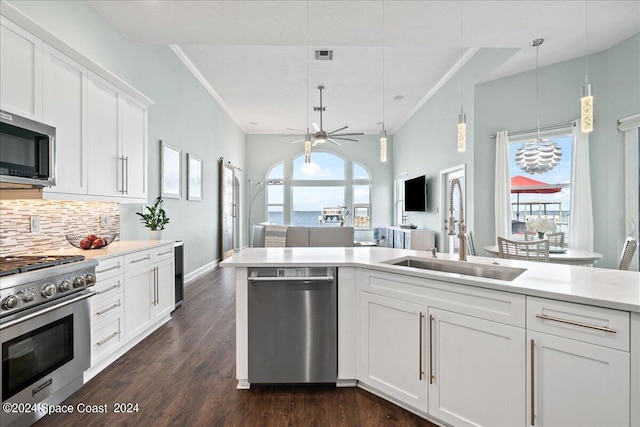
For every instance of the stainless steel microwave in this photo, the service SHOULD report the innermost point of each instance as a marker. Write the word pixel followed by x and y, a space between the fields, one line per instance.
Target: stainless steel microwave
pixel 27 152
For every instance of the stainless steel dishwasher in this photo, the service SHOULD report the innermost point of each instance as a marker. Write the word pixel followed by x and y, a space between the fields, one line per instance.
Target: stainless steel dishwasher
pixel 293 325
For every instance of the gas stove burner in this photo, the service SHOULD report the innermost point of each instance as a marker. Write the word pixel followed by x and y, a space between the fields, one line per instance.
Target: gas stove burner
pixel 14 264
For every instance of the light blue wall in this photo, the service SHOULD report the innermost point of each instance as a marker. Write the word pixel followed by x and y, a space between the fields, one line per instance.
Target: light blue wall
pixel 509 104
pixel 263 151
pixel 184 114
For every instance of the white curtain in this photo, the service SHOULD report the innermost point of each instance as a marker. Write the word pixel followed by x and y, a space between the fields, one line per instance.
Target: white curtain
pixel 502 186
pixel 581 215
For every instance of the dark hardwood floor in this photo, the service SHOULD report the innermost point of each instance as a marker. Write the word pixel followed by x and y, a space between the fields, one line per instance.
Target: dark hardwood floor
pixel 184 375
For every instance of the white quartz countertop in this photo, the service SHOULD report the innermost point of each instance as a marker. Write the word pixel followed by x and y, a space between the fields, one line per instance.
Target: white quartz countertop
pixel 120 247
pixel 595 286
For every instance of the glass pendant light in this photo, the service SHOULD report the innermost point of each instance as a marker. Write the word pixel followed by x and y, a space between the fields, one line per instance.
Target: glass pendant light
pixel 383 145
pixel 586 101
pixel 541 155
pixel 307 147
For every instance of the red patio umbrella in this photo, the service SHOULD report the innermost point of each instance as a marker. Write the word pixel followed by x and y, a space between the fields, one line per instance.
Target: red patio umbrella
pixel 522 184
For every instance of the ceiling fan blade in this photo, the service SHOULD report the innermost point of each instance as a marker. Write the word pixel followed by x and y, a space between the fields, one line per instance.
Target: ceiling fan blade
pixel 316 127
pixel 335 142
pixel 297 130
pixel 314 143
pixel 337 130
pixel 348 134
pixel 290 134
pixel 344 139
pixel 297 140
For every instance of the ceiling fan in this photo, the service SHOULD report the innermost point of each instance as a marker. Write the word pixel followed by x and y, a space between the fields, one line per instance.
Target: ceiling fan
pixel 320 136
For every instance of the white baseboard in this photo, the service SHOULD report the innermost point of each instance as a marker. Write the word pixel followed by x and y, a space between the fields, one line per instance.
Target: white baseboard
pixel 200 271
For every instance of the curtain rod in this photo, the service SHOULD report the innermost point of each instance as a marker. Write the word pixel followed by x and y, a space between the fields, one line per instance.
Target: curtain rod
pixel 544 129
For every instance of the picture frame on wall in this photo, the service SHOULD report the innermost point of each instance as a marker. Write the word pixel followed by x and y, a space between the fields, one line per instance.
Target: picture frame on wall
pixel 194 181
pixel 170 171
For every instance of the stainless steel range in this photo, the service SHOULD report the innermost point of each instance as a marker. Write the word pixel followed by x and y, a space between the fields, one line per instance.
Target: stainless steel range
pixel 44 332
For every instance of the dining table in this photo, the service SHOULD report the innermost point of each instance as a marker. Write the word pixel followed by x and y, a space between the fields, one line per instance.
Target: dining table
pixel 559 255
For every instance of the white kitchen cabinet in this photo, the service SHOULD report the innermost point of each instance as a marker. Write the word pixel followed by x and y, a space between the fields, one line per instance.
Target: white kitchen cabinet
pixel 65 108
pixel 21 71
pixel 578 365
pixel 391 350
pixel 477 368
pixel 139 294
pixel 133 119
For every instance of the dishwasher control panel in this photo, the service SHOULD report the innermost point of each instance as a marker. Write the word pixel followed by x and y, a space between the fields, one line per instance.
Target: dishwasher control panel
pixel 288 272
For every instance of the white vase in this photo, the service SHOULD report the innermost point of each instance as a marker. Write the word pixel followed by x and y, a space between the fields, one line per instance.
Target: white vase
pixel 155 234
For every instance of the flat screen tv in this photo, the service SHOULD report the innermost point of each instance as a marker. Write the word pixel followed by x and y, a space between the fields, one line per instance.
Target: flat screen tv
pixel 415 194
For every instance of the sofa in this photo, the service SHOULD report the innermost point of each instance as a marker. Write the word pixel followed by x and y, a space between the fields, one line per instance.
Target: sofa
pixel 293 236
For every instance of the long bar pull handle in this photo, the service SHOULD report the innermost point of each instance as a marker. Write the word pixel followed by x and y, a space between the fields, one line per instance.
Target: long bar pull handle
pixel 140 259
pixel 431 376
pixel 571 322
pixel 100 313
pixel 420 369
pixel 110 337
pixel 532 380
pixel 108 290
pixel 122 174
pixel 157 286
pixel 165 253
pixel 126 159
pixel 108 269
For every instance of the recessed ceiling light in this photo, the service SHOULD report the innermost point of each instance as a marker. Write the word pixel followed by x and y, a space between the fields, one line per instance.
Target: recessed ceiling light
pixel 253 123
pixel 398 97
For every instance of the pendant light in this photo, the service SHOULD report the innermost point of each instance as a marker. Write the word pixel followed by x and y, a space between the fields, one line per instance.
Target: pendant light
pixel 462 118
pixel 307 136
pixel 383 132
pixel 541 155
pixel 586 101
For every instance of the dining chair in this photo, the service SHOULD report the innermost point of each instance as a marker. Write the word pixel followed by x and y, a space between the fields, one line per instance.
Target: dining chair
pixel 471 247
pixel 530 250
pixel 556 239
pixel 628 250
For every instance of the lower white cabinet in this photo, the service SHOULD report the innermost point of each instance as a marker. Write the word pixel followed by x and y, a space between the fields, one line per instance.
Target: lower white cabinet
pixel 391 351
pixel 476 370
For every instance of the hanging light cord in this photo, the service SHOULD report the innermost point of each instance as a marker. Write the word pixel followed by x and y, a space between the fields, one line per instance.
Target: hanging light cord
pixel 461 52
pixel 586 44
pixel 537 92
pixel 307 58
pixel 383 65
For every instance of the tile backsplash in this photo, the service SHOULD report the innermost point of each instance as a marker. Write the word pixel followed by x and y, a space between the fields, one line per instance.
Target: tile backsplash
pixel 56 218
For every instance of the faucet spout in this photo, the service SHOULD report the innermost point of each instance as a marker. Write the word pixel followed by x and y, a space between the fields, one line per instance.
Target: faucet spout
pixel 462 228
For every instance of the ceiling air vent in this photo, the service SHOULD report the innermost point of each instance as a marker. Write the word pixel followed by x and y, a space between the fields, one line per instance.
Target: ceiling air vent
pixel 324 55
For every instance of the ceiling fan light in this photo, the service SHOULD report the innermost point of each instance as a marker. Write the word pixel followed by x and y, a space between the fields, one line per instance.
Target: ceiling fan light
pixel 586 109
pixel 383 146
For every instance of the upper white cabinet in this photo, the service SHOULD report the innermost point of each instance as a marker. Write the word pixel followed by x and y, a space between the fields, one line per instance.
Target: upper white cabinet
pixel 65 108
pixel 21 71
pixel 100 121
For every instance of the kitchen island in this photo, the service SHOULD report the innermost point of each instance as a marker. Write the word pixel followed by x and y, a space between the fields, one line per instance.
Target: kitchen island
pixel 557 344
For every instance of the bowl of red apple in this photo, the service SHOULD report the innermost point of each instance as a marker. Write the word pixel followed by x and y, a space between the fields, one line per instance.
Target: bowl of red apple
pixel 90 241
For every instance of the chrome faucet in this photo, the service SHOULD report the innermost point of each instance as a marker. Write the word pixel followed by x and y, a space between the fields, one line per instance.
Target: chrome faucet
pixel 462 228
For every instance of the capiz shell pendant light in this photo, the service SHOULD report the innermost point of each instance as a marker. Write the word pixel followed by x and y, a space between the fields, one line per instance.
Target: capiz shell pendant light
pixel 541 155
pixel 586 101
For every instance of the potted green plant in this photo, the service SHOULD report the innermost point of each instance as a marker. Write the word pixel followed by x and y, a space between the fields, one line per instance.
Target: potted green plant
pixel 154 219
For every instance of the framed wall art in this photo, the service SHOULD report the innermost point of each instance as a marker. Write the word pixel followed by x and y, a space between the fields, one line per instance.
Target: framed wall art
pixel 170 171
pixel 194 181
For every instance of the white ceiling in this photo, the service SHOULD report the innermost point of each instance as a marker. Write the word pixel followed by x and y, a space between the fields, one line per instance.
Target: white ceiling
pixel 253 54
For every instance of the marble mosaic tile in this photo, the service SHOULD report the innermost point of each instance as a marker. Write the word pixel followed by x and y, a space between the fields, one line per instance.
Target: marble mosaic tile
pixel 57 218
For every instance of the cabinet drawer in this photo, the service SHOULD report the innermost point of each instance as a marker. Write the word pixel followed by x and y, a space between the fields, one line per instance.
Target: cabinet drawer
pixel 107 336
pixel 109 267
pixel 106 288
pixel 595 325
pixel 162 252
pixel 489 304
pixel 102 308
pixel 138 259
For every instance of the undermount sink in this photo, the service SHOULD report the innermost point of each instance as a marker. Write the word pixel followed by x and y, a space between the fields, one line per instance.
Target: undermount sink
pixel 460 267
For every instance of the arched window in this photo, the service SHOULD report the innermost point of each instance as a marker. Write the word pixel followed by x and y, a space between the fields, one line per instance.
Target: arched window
pixel 329 191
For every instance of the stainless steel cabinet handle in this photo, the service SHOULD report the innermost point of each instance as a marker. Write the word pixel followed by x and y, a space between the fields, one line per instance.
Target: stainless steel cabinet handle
pixel 114 306
pixel 431 376
pixel 115 267
pixel 571 322
pixel 420 370
pixel 133 261
pixel 110 337
pixel 108 290
pixel 165 253
pixel 157 287
pixel 533 417
pixel 126 160
pixel 122 173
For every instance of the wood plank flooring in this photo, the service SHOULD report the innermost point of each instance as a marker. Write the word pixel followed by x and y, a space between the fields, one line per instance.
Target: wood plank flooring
pixel 184 375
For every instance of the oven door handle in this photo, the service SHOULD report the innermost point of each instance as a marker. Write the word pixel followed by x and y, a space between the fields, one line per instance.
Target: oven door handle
pixel 24 318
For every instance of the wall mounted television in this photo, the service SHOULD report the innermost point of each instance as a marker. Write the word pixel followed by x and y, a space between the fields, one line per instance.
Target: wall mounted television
pixel 415 194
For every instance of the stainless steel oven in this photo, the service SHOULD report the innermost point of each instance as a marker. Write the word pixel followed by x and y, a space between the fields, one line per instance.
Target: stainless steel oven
pixel 45 338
